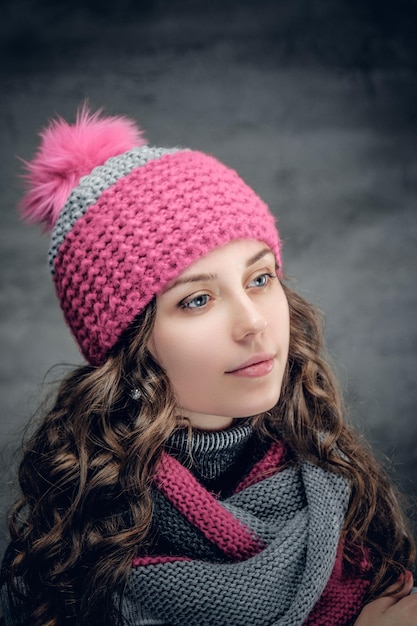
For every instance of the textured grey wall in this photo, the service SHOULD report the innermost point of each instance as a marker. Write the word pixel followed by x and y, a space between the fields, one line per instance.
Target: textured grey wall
pixel 313 103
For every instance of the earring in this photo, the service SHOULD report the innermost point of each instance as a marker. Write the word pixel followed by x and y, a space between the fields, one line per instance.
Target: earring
pixel 135 394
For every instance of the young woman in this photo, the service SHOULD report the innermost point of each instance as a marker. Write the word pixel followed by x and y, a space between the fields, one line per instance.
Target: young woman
pixel 198 470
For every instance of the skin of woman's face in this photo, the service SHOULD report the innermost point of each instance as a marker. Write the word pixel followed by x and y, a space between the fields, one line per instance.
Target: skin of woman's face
pixel 221 334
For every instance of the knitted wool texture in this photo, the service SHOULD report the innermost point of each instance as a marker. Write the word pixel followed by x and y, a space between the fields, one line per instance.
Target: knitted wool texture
pixel 270 553
pixel 132 222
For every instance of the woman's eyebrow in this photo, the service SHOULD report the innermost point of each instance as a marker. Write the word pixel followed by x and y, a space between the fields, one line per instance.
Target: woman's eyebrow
pixel 195 278
pixel 258 256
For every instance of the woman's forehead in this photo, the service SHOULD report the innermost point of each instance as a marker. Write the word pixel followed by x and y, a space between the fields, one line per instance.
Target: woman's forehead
pixel 243 252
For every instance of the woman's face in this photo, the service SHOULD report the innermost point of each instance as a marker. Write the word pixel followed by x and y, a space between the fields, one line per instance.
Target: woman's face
pixel 221 334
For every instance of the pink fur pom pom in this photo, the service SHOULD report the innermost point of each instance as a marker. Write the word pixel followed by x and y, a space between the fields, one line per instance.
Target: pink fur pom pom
pixel 68 152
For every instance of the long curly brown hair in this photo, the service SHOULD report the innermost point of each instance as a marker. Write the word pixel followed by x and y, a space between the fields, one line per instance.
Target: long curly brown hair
pixel 86 474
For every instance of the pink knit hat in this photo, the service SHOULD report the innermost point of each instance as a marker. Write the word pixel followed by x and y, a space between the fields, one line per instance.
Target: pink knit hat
pixel 127 219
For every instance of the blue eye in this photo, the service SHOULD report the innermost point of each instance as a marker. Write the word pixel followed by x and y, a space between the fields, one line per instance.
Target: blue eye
pixel 196 303
pixel 261 280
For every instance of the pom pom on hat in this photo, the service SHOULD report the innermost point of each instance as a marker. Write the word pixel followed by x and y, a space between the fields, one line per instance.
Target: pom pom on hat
pixel 66 154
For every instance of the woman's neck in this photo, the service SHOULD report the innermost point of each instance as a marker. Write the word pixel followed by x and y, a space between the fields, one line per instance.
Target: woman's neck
pixel 211 455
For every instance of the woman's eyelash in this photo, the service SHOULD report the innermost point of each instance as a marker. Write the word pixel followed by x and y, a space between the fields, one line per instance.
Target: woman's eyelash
pixel 268 275
pixel 186 304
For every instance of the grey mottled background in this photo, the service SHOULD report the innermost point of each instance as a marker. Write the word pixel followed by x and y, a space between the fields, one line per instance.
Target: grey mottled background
pixel 314 103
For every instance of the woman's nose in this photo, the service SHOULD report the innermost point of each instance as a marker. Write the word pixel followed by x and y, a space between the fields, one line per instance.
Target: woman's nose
pixel 247 320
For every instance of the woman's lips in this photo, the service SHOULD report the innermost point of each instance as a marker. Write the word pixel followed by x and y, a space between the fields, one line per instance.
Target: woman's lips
pixel 254 367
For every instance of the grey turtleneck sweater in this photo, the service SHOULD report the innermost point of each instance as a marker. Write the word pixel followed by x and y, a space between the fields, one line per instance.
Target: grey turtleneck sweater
pixel 218 459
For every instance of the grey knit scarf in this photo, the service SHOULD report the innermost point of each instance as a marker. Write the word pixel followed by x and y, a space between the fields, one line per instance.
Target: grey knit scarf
pixel 269 553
